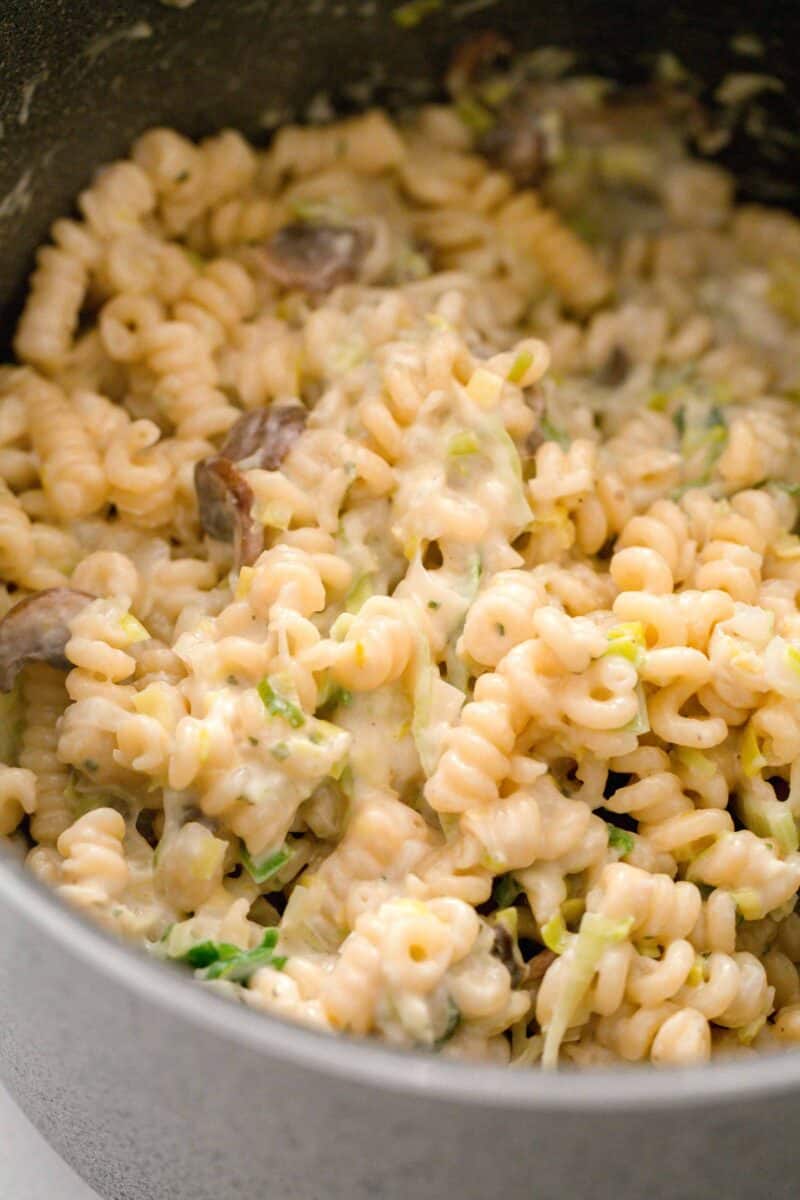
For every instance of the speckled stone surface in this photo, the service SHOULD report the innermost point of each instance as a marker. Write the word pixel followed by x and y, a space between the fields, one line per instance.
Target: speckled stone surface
pixel 29 1169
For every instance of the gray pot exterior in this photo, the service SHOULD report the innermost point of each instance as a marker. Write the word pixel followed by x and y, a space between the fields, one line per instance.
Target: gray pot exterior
pixel 151 1088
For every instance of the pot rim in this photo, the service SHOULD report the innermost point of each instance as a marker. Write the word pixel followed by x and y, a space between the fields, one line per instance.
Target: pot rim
pixel 360 1061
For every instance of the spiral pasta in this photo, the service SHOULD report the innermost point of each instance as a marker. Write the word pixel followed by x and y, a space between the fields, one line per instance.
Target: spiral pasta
pixel 400 578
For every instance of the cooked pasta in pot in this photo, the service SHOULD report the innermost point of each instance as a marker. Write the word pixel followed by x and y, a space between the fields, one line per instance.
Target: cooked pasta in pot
pixel 400 579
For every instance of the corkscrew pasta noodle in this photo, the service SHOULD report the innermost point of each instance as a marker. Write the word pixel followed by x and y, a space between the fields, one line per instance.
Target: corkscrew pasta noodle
pixel 434 664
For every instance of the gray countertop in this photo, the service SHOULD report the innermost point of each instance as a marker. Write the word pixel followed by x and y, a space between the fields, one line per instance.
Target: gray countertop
pixel 29 1169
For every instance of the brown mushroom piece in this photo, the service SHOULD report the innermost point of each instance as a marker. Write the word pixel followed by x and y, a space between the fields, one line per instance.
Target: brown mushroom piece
pixel 615 370
pixel 504 948
pixel 516 143
pixel 225 504
pixel 472 57
pixel 536 967
pixel 314 257
pixel 37 630
pixel 224 497
pixel 263 438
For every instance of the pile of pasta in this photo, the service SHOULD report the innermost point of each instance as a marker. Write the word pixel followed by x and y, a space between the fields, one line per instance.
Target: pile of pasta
pixel 469 717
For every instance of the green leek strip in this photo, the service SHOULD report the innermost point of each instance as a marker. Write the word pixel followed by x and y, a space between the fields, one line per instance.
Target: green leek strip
pixel 410 14
pixel 266 865
pixel 753 761
pixel 221 960
pixel 520 366
pixel 279 706
pixel 628 641
pixel 596 935
pixel 554 934
pixel 505 891
pixel 551 432
pixel 359 592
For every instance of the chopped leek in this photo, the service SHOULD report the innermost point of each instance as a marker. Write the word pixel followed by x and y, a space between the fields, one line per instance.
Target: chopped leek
pixel 697 974
pixel 573 909
pixel 221 960
pixel 696 761
pixel 520 366
pixel 749 904
pixel 628 640
pixel 410 14
pixel 266 865
pixel 505 890
pixel 641 722
pixel 332 696
pixel 554 934
pixel 463 443
pixel 551 432
pixel 279 706
pixel 648 947
pixel 753 761
pixel 748 1033
pixel 702 427
pixel 768 817
pixel 133 630
pixel 620 839
pixel 596 935
pixel 359 592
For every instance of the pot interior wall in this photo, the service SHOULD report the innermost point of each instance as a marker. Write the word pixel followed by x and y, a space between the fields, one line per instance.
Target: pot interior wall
pixel 79 81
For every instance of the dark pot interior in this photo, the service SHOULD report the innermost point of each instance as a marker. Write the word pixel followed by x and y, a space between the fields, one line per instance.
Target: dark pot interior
pixel 79 80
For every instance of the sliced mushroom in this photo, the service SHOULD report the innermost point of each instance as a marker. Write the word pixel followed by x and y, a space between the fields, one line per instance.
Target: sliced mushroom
pixel 263 438
pixel 315 257
pixel 615 369
pixel 536 967
pixel 517 143
pixel 472 57
pixel 505 949
pixel 37 630
pixel 225 504
pixel 224 497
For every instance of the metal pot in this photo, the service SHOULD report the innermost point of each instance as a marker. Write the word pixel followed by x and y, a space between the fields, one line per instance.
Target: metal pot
pixel 148 1085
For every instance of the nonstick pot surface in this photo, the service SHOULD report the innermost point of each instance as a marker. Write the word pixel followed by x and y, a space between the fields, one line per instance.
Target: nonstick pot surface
pixel 79 81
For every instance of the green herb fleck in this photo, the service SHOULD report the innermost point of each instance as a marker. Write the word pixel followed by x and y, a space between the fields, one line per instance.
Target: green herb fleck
pixel 280 751
pixel 333 696
pixel 220 960
pixel 551 432
pixel 505 891
pixel 279 706
pixel 263 868
pixel 452 1023
pixel 620 839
